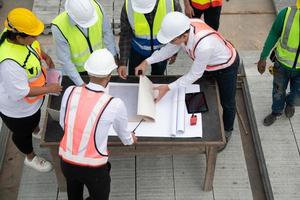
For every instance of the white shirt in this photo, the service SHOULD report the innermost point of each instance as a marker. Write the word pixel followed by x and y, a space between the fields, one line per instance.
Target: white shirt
pixel 115 114
pixel 63 50
pixel 209 51
pixel 13 88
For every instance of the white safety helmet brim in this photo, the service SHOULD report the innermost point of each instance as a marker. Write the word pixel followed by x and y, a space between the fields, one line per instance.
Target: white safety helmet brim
pixel 82 13
pixel 143 6
pixel 173 25
pixel 101 63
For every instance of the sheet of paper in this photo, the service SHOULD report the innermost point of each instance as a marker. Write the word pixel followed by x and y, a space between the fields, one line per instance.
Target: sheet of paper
pixel 146 104
pixel 166 116
pixel 128 92
pixel 53 76
pixel 180 122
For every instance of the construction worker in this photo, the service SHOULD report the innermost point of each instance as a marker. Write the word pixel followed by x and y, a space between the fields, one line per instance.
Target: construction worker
pixel 22 81
pixel 284 35
pixel 209 51
pixel 86 115
pixel 78 31
pixel 211 9
pixel 140 23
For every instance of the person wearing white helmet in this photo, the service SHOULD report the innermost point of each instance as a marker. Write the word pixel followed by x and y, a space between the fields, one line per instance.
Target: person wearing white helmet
pixel 209 51
pixel 86 115
pixel 78 31
pixel 140 23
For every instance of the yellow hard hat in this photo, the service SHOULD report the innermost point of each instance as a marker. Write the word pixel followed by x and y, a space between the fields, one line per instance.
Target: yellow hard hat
pixel 298 4
pixel 24 21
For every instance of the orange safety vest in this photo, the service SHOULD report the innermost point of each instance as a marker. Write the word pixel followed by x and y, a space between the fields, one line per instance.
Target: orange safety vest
pixel 83 111
pixel 202 30
pixel 204 4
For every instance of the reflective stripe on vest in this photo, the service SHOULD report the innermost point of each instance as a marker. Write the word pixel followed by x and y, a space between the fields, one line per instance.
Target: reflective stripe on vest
pixel 202 30
pixel 28 57
pixel 204 4
pixel 83 111
pixel 81 46
pixel 144 38
pixel 289 41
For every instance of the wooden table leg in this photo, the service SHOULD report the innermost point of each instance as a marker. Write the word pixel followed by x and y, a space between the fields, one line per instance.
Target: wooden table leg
pixel 211 158
pixel 61 182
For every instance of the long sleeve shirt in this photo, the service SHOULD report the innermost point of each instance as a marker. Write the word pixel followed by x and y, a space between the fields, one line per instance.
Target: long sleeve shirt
pixel 63 50
pixel 127 32
pixel 115 114
pixel 209 51
pixel 274 34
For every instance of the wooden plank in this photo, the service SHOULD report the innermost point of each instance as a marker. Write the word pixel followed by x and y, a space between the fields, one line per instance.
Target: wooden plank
pixel 154 178
pixel 11 173
pixel 189 172
pixel 231 172
pixel 122 178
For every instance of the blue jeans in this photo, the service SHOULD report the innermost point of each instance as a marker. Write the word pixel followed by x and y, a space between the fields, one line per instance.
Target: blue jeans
pixel 135 59
pixel 283 76
pixel 226 79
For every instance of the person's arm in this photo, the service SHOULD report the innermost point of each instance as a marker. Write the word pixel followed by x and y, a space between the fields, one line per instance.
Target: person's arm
pixel 121 122
pixel 159 55
pixel 16 82
pixel 63 106
pixel 64 56
pixel 108 37
pixel 125 38
pixel 188 9
pixel 202 57
pixel 274 34
pixel 177 6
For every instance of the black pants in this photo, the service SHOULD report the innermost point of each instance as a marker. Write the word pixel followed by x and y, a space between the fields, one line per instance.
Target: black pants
pixel 96 179
pixel 226 80
pixel 135 59
pixel 22 129
pixel 211 16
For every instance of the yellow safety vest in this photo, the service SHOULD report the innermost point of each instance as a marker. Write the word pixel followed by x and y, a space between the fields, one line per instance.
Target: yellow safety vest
pixel 28 57
pixel 289 41
pixel 144 39
pixel 81 46
pixel 204 4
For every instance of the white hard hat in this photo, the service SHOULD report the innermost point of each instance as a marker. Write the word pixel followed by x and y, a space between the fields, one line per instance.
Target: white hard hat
pixel 100 63
pixel 173 25
pixel 82 12
pixel 143 6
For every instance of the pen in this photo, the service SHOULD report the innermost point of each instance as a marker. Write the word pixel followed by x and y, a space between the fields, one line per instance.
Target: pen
pixel 138 125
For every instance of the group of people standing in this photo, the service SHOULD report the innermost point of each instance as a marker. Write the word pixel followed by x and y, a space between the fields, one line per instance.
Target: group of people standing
pixel 152 33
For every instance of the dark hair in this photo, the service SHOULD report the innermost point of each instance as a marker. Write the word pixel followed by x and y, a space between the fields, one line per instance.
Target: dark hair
pixel 11 36
pixel 185 32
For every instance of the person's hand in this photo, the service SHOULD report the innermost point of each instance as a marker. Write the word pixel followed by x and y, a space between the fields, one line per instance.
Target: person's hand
pixel 141 67
pixel 122 71
pixel 162 90
pixel 135 139
pixel 54 88
pixel 261 66
pixel 172 59
pixel 189 11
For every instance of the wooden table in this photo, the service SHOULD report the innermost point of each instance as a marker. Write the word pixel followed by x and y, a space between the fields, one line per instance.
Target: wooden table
pixel 213 133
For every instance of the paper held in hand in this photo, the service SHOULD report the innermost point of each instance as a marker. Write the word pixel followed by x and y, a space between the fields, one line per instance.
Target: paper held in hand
pixel 53 76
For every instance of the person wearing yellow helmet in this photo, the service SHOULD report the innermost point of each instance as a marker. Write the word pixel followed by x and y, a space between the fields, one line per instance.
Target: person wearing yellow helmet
pixel 23 81
pixel 284 38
